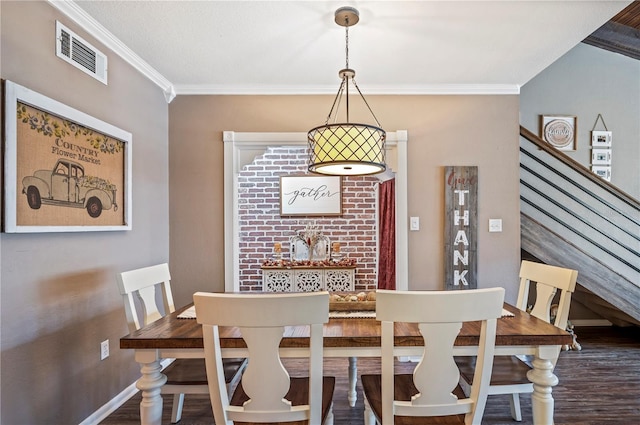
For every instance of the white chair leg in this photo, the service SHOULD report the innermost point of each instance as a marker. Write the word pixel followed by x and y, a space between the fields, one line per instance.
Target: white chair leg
pixel 176 410
pixel 369 417
pixel 514 403
pixel 329 419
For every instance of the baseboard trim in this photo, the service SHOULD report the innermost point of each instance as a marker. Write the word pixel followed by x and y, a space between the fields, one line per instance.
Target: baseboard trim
pixel 591 322
pixel 115 403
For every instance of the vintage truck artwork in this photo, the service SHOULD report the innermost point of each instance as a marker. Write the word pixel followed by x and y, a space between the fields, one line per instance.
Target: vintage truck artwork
pixel 67 185
pixel 64 170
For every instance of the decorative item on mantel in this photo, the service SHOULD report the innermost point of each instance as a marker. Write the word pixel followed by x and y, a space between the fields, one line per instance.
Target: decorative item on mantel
pixel 343 262
pixel 277 251
pixel 309 248
pixel 335 251
pixel 310 244
pixel 311 234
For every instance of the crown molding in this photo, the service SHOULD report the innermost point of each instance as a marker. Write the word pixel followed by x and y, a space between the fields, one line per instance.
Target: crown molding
pixel 433 89
pixel 92 27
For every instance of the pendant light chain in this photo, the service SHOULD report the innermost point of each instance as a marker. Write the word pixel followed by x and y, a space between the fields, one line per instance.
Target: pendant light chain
pixel 336 101
pixel 346 42
pixel 345 83
pixel 365 102
pixel 346 51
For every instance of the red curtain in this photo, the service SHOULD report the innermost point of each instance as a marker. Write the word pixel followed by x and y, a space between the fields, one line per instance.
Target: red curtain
pixel 387 237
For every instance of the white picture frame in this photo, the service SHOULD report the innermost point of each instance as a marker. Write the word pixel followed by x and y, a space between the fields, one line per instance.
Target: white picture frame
pixel 602 171
pixel 601 156
pixel 64 170
pixel 310 195
pixel 601 139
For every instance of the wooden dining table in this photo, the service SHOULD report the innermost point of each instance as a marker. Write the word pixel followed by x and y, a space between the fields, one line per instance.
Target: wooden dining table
pixel 174 337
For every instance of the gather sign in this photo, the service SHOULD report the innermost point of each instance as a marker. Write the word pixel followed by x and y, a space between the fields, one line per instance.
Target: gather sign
pixel 310 195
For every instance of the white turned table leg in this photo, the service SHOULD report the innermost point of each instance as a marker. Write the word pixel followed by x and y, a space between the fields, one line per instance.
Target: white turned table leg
pixel 353 378
pixel 150 384
pixel 543 381
pixel 369 417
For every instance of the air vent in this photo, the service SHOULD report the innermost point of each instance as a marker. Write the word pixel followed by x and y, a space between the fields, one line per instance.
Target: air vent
pixel 80 54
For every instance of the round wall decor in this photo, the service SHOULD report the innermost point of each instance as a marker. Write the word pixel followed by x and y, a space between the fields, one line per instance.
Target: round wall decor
pixel 559 133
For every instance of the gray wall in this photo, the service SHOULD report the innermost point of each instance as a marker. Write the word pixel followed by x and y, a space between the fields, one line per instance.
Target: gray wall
pixel 585 82
pixel 58 291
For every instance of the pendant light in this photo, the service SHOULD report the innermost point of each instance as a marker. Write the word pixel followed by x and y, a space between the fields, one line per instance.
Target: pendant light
pixel 345 148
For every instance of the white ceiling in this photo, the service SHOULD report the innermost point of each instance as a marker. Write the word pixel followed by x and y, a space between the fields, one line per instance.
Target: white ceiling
pixel 285 47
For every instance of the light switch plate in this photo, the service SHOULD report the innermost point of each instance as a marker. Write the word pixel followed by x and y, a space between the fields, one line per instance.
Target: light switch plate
pixel 414 223
pixel 495 225
pixel 104 349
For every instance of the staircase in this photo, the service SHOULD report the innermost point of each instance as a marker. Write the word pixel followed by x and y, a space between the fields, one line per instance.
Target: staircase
pixel 572 218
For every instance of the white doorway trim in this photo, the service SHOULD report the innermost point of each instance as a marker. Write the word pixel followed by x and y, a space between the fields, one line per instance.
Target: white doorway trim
pixel 241 148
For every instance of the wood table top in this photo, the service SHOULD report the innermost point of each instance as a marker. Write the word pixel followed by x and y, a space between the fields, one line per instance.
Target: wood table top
pixel 171 332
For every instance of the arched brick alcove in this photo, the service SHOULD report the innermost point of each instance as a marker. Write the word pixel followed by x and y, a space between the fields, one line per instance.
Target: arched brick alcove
pixel 241 149
pixel 260 223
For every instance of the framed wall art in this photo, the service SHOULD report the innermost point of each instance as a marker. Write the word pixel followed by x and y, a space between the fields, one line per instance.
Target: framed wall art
pixel 601 156
pixel 601 139
pixel 602 171
pixel 64 171
pixel 559 131
pixel 310 195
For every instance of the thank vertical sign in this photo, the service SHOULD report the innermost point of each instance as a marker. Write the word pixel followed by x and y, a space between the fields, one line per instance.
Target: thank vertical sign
pixel 460 230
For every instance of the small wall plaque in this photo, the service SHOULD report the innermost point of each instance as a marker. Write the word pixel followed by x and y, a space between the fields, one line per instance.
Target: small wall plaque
pixel 559 131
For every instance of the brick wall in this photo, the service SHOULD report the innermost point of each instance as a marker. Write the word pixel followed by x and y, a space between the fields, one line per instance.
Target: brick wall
pixel 261 225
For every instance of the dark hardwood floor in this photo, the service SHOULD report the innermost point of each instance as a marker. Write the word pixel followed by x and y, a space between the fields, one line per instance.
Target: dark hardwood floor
pixel 598 385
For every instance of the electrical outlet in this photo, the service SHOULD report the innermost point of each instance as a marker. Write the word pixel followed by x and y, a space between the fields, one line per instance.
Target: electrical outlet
pixel 104 349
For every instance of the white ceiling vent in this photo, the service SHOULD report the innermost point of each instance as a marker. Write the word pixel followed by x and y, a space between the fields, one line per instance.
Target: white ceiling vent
pixel 73 49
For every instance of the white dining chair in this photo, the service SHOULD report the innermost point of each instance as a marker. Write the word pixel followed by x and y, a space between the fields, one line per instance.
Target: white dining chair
pixel 266 392
pixel 143 305
pixel 432 394
pixel 510 372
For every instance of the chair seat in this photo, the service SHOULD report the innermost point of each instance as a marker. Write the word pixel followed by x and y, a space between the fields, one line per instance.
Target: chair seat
pixel 507 370
pixel 194 372
pixel 404 389
pixel 298 394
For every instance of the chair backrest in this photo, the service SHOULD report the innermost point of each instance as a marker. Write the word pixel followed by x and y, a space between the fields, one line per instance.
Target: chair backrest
pixel 549 279
pixel 138 287
pixel 261 319
pixel 439 315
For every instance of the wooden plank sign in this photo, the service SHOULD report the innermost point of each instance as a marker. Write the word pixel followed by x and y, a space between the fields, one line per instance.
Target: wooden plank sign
pixel 460 229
